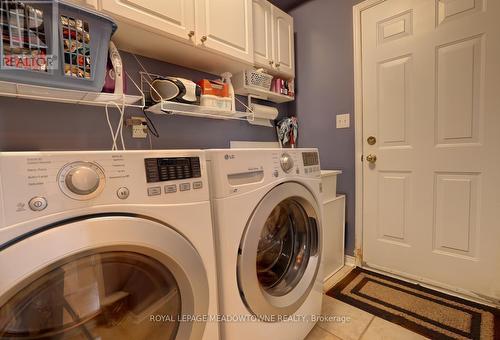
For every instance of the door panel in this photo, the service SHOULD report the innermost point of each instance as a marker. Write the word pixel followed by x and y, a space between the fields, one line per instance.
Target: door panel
pixel 225 26
pixel 174 17
pixel 459 86
pixel 262 32
pixel 430 97
pixel 283 42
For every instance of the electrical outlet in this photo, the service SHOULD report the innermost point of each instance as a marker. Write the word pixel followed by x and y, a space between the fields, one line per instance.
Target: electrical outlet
pixel 139 127
pixel 343 121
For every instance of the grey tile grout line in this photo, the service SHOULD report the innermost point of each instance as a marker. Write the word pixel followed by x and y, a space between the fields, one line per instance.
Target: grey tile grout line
pixel 367 326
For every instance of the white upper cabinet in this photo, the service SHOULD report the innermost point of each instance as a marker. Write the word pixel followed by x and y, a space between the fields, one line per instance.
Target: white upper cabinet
pixel 172 17
pixel 284 59
pixel 225 26
pixel 273 39
pixel 262 33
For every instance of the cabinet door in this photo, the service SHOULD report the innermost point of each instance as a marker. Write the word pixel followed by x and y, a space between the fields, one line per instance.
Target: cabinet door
pixel 172 17
pixel 262 33
pixel 283 43
pixel 225 26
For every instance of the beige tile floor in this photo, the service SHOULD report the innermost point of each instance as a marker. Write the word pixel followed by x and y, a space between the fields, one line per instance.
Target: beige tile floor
pixel 346 322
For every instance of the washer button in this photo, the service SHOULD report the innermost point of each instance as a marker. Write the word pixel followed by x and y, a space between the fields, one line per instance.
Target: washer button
pixel 38 203
pixel 169 189
pixel 123 193
pixel 185 186
pixel 197 185
pixel 154 191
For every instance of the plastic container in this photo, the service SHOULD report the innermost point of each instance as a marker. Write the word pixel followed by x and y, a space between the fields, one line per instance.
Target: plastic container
pixel 56 44
pixel 220 103
pixel 214 88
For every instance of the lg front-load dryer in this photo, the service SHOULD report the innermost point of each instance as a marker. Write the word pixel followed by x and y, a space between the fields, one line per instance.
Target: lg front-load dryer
pixel 106 245
pixel 268 241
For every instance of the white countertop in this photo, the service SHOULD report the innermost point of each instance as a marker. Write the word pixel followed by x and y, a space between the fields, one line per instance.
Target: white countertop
pixel 326 173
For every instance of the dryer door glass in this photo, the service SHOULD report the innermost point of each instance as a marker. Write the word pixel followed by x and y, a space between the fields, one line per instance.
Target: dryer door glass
pixel 106 295
pixel 278 258
pixel 284 248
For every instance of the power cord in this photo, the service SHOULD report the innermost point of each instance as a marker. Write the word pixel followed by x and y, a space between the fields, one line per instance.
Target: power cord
pixel 151 126
pixel 119 127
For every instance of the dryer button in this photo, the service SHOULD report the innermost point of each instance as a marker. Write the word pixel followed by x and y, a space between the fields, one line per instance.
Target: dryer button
pixel 169 189
pixel 38 203
pixel 197 185
pixel 123 193
pixel 154 191
pixel 185 186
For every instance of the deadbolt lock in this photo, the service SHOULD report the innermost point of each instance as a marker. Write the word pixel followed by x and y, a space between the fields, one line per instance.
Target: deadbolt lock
pixel 371 140
pixel 371 159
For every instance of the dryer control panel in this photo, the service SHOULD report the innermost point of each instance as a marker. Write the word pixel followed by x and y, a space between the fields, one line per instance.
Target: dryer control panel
pixel 235 171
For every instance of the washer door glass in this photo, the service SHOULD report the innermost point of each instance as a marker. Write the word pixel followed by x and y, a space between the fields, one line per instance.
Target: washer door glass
pixel 106 295
pixel 283 251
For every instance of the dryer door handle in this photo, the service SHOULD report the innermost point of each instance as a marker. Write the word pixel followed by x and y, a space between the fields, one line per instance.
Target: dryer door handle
pixel 314 236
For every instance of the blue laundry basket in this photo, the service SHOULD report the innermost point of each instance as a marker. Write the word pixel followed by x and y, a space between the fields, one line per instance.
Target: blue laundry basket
pixel 54 43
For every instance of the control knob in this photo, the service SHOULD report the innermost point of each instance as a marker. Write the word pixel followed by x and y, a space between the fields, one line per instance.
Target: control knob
pixel 286 162
pixel 81 180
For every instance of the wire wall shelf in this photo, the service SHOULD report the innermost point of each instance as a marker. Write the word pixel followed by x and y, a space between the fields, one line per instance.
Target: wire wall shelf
pixel 52 94
pixel 166 107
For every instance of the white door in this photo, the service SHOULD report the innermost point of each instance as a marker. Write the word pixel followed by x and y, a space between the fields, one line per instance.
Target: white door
pixel 262 33
pixel 431 205
pixel 225 26
pixel 283 42
pixel 175 17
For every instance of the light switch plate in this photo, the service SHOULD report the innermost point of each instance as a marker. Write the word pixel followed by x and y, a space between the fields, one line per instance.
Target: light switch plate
pixel 343 121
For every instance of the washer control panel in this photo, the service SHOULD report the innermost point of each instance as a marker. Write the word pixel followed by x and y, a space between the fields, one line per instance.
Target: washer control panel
pixel 173 168
pixel 81 180
pixel 33 184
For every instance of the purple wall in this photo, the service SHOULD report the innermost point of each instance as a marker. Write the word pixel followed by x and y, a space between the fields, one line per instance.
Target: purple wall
pixel 325 88
pixel 36 125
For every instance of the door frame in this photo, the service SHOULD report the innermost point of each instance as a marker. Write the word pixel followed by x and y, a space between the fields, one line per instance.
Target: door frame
pixel 358 126
pixel 359 172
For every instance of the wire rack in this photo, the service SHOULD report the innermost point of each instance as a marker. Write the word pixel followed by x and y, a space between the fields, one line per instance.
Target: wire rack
pixel 52 94
pixel 166 107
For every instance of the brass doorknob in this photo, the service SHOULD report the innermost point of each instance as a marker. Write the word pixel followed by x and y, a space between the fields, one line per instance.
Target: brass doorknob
pixel 371 159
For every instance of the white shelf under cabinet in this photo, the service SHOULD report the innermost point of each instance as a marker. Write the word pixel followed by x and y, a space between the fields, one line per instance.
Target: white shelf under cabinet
pixel 264 94
pixel 174 108
pixel 52 94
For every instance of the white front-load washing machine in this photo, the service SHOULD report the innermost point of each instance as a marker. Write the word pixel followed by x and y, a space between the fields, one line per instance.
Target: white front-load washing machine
pixel 106 245
pixel 268 241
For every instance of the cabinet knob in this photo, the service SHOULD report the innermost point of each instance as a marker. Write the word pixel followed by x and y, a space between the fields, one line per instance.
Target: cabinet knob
pixel 271 62
pixel 191 34
pixel 203 38
pixel 278 64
